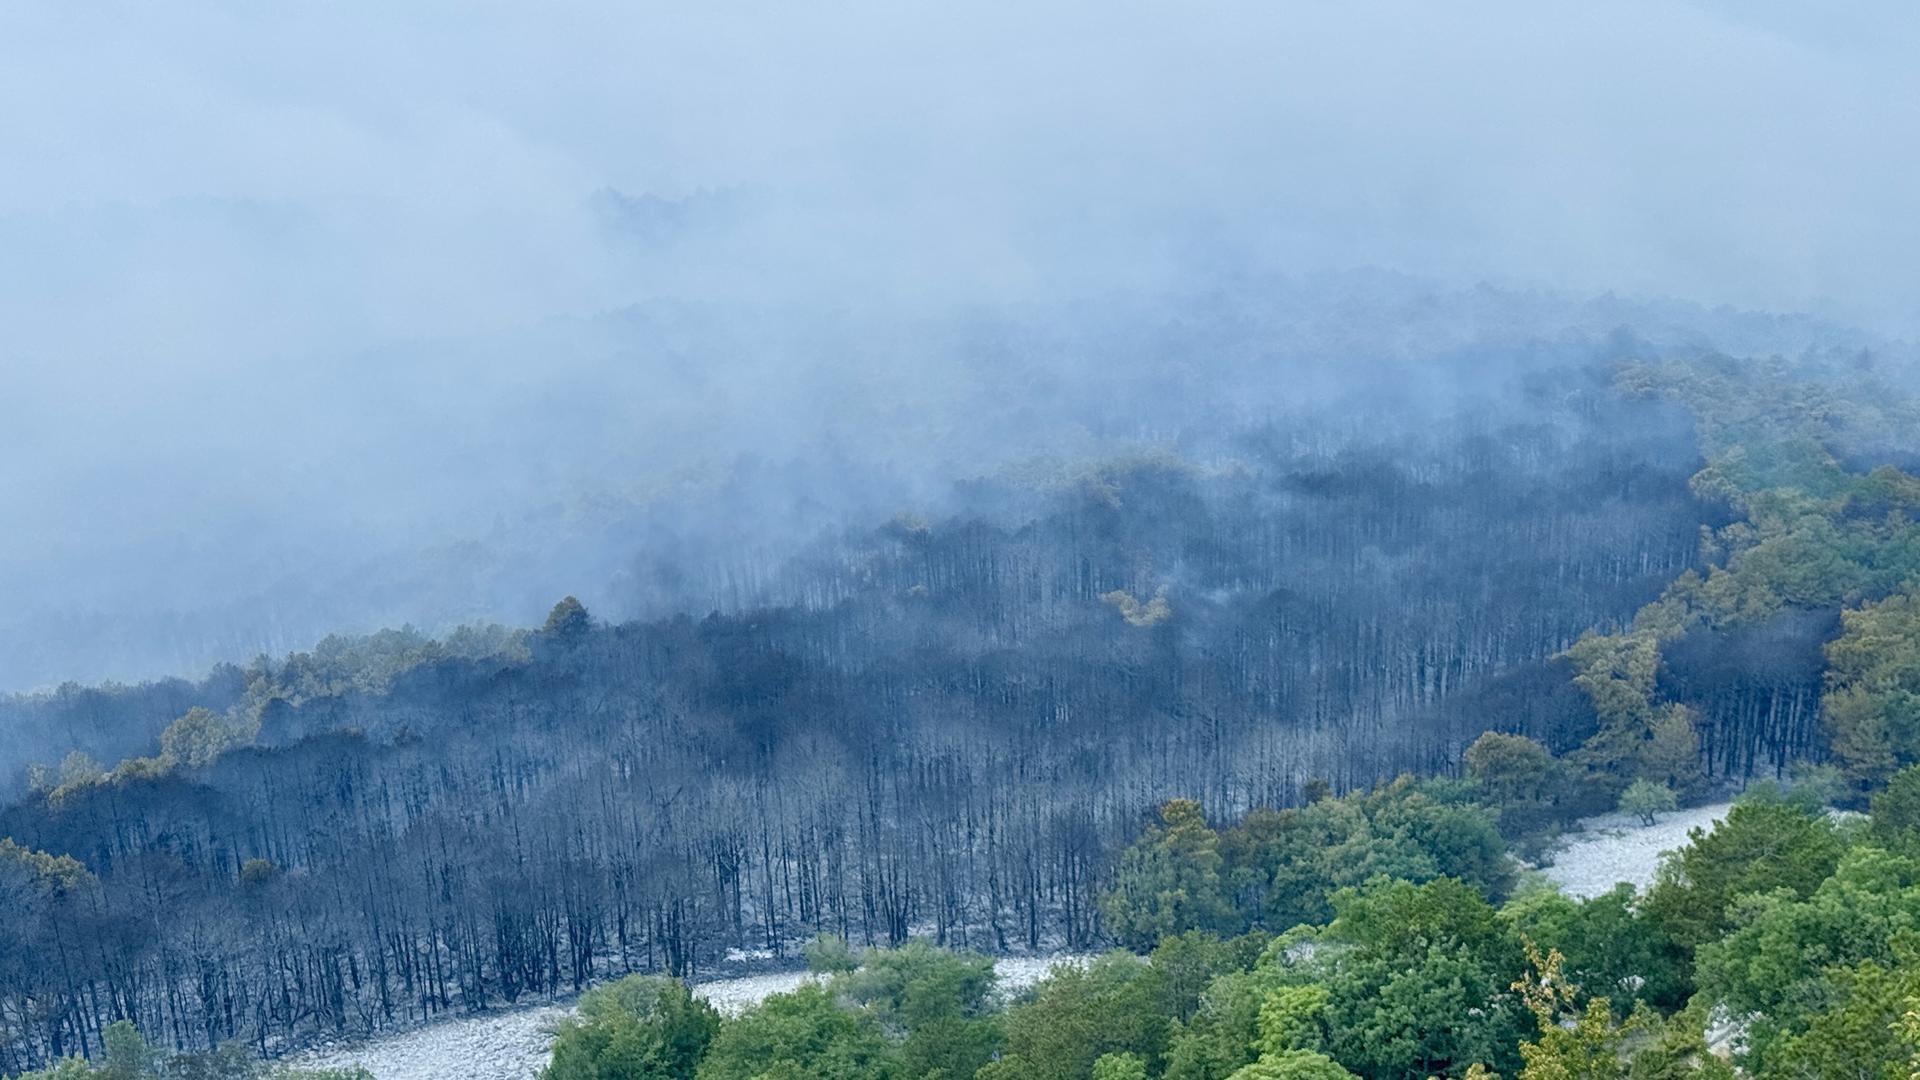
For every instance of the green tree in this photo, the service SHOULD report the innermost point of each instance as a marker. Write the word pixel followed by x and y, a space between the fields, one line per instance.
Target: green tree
pixel 1860 1035
pixel 1169 881
pixel 41 871
pixel 1076 1016
pixel 1419 981
pixel 1140 613
pixel 1896 811
pixel 128 1055
pixel 640 1028
pixel 1647 800
pixel 1222 1033
pixel 1187 965
pixel 258 872
pixel 1588 1043
pixel 932 1004
pixel 1294 1065
pixel 1790 960
pixel 1670 754
pixel 71 1068
pixel 802 1035
pixel 1764 844
pixel 1286 864
pixel 1519 779
pixel 829 954
pixel 1872 705
pixel 77 770
pixel 1572 1043
pixel 1610 948
pixel 1293 1018
pixel 198 738
pixel 41 780
pixel 568 622
pixel 233 1061
pixel 1120 1066
pixel 1820 784
pixel 1618 673
pixel 1292 1035
pixel 1674 1047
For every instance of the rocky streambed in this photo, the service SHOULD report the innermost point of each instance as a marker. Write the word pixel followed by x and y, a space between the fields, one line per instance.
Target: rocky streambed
pixel 513 1044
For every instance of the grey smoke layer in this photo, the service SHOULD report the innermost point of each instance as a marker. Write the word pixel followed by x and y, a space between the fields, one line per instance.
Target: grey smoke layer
pixel 332 317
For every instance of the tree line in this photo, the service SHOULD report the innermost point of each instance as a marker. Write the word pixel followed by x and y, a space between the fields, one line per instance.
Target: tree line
pixel 955 728
pixel 1780 944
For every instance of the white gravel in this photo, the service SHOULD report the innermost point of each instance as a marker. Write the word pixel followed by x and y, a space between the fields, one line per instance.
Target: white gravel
pixel 1613 848
pixel 513 1045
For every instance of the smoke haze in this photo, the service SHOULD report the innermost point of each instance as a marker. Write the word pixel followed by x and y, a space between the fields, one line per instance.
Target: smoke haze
pixel 334 317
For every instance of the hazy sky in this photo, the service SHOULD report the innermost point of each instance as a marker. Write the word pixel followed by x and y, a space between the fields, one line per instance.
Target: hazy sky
pixel 409 167
pixel 223 226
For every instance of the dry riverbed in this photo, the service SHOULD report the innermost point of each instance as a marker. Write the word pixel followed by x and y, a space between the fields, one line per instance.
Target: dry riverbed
pixel 513 1045
pixel 1613 848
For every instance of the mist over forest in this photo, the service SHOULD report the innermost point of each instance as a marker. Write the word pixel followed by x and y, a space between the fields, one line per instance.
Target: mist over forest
pixel 509 504
pixel 478 327
pixel 672 457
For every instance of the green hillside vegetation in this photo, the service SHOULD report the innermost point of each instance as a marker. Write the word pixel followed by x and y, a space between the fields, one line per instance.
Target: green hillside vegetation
pixel 1804 933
